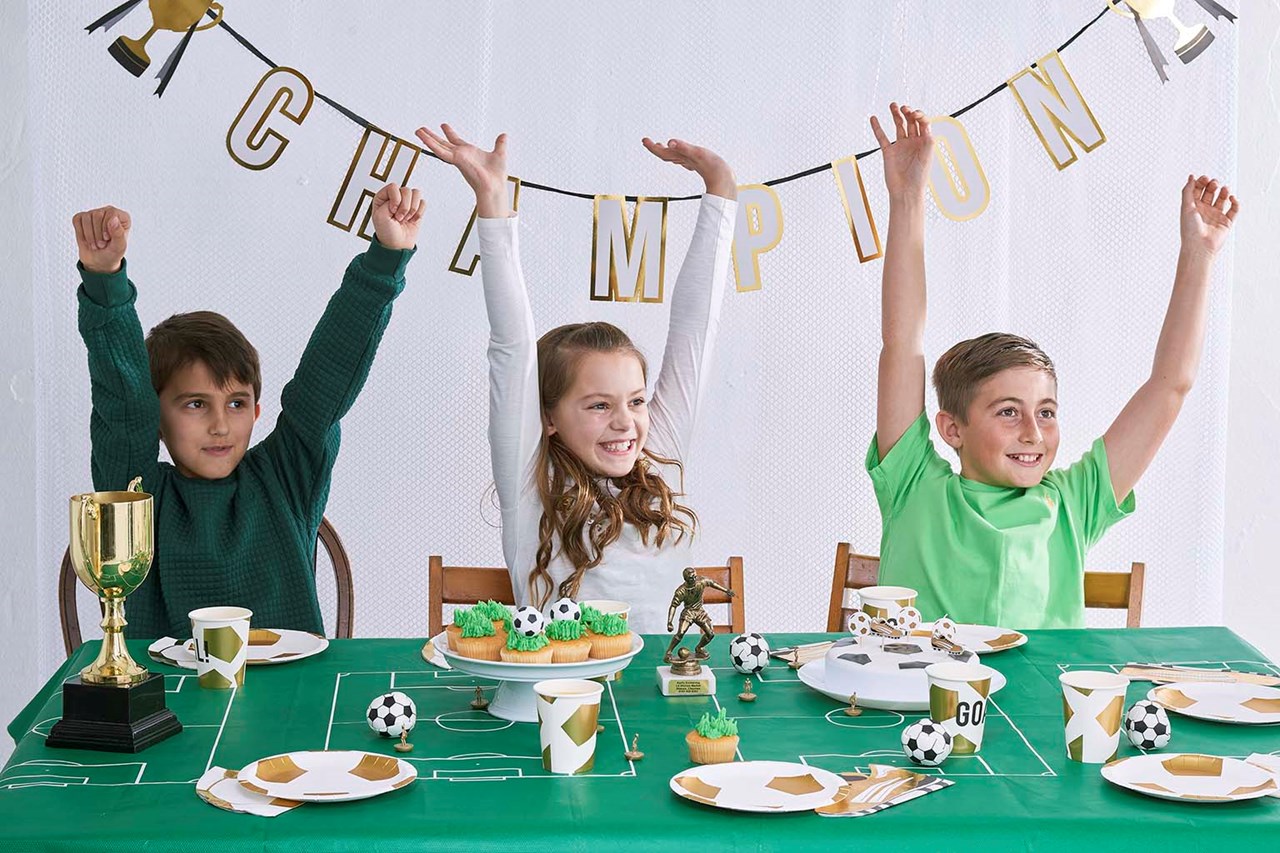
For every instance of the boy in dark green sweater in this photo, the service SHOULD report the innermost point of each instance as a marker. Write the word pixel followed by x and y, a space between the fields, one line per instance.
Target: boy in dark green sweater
pixel 235 525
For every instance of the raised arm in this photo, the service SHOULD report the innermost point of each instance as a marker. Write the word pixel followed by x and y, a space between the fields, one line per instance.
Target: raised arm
pixel 1208 210
pixel 336 361
pixel 901 384
pixel 515 411
pixel 124 426
pixel 695 303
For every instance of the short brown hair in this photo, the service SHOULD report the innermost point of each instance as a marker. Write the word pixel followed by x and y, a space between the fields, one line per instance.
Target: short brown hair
pixel 206 337
pixel 968 364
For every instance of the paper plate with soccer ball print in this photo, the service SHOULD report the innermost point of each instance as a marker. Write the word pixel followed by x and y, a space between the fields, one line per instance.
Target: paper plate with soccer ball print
pixel 326 776
pixel 1221 702
pixel 758 786
pixel 1190 777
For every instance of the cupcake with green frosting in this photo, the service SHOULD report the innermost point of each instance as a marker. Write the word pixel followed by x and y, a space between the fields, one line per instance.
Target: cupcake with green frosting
pixel 610 636
pixel 500 615
pixel 714 740
pixel 478 639
pixel 454 628
pixel 569 643
pixel 522 649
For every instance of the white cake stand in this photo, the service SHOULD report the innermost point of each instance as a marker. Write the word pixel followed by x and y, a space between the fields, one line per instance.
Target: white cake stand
pixel 514 699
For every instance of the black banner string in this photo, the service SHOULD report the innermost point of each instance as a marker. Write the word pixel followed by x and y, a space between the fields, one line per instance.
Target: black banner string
pixel 365 123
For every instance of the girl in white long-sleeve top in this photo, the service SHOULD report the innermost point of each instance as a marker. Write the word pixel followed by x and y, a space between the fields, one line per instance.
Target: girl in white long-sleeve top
pixel 581 454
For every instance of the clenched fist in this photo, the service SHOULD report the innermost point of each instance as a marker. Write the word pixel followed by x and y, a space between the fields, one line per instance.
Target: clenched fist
pixel 102 234
pixel 397 211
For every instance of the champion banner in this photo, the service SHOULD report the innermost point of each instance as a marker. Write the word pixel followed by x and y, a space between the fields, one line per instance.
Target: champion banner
pixel 629 232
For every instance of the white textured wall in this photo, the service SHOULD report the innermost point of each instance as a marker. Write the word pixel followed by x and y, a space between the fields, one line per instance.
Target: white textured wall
pixel 1251 566
pixel 24 586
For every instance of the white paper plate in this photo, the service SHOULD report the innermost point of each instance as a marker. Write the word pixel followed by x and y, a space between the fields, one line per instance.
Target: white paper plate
pixel 980 639
pixel 758 786
pixel 326 776
pixel 912 697
pixel 266 646
pixel 1190 777
pixel 510 671
pixel 1242 704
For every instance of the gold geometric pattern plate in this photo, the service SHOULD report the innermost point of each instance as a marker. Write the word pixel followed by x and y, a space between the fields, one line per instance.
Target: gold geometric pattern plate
pixel 981 639
pixel 1190 777
pixel 266 646
pixel 1230 702
pixel 326 776
pixel 758 786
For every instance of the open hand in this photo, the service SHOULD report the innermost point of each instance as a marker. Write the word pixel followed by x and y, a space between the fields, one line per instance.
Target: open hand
pixel 1208 209
pixel 484 171
pixel 710 166
pixel 102 234
pixel 397 212
pixel 907 158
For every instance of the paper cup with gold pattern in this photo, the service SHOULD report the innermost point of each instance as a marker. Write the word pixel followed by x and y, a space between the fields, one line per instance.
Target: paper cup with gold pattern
pixel 567 712
pixel 1093 712
pixel 221 636
pixel 885 602
pixel 958 702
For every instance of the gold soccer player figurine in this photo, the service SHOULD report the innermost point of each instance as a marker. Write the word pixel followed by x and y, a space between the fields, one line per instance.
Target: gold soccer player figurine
pixel 689 594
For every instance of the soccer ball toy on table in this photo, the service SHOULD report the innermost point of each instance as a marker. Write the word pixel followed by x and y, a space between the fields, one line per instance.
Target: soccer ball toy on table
pixel 926 742
pixel 392 714
pixel 1147 725
pixel 749 653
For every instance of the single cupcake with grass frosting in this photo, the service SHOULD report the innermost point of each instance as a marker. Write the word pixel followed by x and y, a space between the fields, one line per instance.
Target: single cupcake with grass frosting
pixel 610 636
pixel 478 639
pixel 522 649
pixel 714 740
pixel 569 642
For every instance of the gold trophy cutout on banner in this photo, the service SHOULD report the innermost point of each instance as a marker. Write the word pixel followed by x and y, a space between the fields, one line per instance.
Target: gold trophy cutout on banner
pixel 178 16
pixel 114 704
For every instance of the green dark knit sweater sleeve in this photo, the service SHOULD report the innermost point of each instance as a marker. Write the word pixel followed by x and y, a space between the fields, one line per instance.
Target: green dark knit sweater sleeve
pixel 331 373
pixel 248 539
pixel 124 423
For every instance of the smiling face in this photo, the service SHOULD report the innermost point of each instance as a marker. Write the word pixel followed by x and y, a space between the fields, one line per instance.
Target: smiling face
pixel 205 426
pixel 1010 434
pixel 603 417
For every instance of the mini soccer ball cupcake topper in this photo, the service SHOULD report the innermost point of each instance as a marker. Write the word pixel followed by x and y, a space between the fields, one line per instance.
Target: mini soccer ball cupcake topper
pixel 689 595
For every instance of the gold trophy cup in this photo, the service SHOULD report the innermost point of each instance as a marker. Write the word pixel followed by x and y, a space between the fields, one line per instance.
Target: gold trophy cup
pixel 114 704
pixel 112 542
pixel 175 15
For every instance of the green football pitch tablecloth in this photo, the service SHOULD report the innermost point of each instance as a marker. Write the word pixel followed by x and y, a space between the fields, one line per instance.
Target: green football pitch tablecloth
pixel 481 785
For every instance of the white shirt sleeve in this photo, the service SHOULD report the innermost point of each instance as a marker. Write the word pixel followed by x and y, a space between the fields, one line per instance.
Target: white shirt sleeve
pixel 691 335
pixel 515 411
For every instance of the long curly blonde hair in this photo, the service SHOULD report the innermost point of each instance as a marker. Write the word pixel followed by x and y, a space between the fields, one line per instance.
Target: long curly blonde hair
pixel 570 491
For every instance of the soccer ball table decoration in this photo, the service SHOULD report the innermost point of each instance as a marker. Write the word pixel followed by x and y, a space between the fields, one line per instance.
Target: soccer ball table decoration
pixel 1147 725
pixel 749 653
pixel 926 742
pixel 392 714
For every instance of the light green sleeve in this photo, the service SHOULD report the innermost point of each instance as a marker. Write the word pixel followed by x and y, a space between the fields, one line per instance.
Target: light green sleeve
pixel 1086 491
pixel 911 461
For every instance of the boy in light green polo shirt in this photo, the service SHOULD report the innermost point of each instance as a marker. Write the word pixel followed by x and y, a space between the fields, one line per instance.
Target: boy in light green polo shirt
pixel 1003 541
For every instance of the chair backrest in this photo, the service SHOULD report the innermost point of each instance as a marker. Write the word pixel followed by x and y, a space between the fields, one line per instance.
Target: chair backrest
pixel 469 584
pixel 463 585
pixel 1102 590
pixel 327 537
pixel 1117 591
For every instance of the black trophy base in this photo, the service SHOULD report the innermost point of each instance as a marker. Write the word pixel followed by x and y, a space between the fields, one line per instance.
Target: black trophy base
pixel 113 719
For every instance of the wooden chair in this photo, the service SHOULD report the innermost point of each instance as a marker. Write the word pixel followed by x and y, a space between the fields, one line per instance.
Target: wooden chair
pixel 327 537
pixel 1102 590
pixel 469 584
